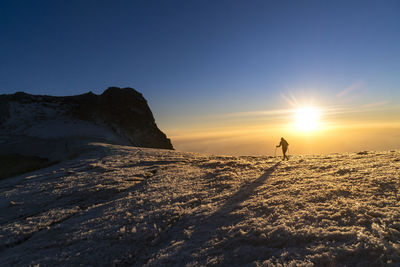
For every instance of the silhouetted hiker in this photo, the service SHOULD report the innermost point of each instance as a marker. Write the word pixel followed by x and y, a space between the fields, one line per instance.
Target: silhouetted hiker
pixel 284 145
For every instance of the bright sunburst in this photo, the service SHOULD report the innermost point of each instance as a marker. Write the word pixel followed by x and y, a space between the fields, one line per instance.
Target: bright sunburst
pixel 307 118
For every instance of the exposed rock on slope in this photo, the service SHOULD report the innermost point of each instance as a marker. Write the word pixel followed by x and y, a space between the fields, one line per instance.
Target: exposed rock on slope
pixel 119 116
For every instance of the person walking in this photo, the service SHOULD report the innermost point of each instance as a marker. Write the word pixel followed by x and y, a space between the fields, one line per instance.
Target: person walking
pixel 284 145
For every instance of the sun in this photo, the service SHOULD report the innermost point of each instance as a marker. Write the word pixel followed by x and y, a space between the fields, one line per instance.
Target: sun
pixel 307 119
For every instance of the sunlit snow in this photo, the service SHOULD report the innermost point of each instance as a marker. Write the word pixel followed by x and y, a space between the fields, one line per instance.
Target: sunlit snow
pixel 123 206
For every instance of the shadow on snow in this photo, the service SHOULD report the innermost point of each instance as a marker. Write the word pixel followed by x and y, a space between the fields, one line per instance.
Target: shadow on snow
pixel 207 229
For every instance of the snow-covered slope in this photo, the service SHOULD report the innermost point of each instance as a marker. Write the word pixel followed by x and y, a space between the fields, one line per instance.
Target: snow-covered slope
pixel 117 205
pixel 50 120
pixel 31 124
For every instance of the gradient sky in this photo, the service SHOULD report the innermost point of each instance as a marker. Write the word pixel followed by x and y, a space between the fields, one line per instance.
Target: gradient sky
pixel 220 76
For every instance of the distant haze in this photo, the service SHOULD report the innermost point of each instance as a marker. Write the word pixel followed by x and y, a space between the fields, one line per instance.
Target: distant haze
pixel 262 139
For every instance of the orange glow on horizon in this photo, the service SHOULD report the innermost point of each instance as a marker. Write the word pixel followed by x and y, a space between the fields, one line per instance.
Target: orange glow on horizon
pixel 310 128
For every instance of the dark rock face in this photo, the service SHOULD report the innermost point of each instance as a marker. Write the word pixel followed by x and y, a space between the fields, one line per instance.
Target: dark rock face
pixel 123 110
pixel 127 110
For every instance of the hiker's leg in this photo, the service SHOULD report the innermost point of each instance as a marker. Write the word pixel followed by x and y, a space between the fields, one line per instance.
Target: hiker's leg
pixel 284 154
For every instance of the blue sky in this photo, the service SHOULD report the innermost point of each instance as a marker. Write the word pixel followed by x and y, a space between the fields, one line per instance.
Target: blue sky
pixel 198 58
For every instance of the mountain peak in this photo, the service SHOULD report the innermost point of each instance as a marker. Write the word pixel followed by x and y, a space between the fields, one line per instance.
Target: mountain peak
pixel 118 116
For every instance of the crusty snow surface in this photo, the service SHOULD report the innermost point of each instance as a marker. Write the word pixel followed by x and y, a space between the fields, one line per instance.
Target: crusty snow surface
pixel 121 206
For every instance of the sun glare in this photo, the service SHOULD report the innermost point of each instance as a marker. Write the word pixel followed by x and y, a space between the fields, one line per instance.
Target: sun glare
pixel 307 119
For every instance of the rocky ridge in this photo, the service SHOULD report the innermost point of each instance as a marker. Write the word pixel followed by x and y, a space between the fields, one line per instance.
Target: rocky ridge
pixel 38 124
